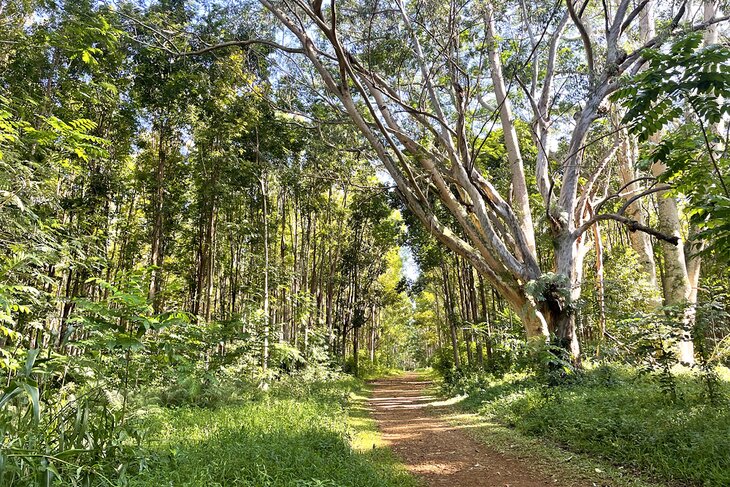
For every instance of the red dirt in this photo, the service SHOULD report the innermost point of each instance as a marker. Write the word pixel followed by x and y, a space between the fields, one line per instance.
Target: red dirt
pixel 437 452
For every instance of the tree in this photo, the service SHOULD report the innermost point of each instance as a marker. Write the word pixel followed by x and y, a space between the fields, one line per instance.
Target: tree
pixel 422 130
pixel 365 259
pixel 685 154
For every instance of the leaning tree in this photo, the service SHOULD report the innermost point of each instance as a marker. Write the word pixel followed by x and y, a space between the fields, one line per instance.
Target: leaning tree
pixel 424 82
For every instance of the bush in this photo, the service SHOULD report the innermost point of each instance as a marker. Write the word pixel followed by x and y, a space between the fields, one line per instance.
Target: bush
pixel 76 434
pixel 618 413
pixel 295 434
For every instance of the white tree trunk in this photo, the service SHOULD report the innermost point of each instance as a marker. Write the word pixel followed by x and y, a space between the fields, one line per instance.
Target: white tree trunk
pixel 265 217
pixel 640 241
pixel 677 287
pixel 520 197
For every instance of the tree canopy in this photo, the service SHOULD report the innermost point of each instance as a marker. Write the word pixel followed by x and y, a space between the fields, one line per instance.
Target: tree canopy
pixel 200 197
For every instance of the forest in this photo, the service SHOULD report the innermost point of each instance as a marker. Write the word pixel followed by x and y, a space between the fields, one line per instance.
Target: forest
pixel 364 243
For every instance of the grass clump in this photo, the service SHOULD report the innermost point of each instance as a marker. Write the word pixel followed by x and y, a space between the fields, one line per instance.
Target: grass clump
pixel 620 415
pixel 296 435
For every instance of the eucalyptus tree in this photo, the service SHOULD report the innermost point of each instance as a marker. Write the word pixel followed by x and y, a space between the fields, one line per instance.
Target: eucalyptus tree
pixel 416 78
pixel 676 106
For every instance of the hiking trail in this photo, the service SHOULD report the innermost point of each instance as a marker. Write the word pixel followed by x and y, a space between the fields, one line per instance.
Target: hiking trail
pixel 440 453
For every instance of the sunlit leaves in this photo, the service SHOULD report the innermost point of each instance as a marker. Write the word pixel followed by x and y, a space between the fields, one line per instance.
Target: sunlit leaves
pixel 687 88
pixel 671 81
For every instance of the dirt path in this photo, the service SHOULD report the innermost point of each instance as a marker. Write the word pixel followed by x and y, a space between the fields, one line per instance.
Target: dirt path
pixel 434 450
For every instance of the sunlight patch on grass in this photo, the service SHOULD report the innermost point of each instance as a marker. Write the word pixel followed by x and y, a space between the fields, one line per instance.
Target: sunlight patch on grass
pixel 364 434
pixel 282 439
pixel 449 401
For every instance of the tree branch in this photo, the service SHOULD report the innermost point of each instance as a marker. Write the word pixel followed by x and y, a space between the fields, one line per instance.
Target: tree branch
pixel 617 194
pixel 249 42
pixel 660 39
pixel 630 18
pixel 633 226
pixel 711 152
pixel 647 192
pixel 584 36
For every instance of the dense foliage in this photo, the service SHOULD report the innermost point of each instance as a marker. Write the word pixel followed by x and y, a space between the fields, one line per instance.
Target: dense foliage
pixel 616 414
pixel 210 211
pixel 168 237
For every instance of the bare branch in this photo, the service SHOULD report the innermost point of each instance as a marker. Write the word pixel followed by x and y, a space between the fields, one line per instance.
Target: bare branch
pixel 632 15
pixel 246 43
pixel 646 192
pixel 619 193
pixel 588 187
pixel 584 36
pixel 632 225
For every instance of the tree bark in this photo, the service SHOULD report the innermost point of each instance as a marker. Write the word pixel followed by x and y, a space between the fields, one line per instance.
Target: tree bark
pixel 265 217
pixel 156 252
pixel 677 286
pixel 449 314
pixel 640 241
pixel 520 197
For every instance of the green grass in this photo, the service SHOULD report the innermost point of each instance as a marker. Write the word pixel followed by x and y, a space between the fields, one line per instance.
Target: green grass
pixel 294 436
pixel 370 371
pixel 620 416
pixel 545 458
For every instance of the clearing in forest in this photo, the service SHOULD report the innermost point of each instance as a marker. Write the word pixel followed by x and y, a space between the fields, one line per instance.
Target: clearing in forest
pixel 439 453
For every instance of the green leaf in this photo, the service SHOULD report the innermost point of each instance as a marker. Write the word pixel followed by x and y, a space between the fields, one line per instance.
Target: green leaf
pixel 9 395
pixel 29 361
pixel 34 395
pixel 126 342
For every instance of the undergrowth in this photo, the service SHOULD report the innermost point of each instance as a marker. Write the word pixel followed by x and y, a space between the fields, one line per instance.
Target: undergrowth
pixel 305 428
pixel 296 434
pixel 616 413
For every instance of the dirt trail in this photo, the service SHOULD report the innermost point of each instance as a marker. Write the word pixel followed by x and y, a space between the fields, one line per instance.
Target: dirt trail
pixel 439 453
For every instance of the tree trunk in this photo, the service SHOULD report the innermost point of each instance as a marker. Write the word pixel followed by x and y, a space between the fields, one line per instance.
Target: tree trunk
pixel 520 197
pixel 356 344
pixel 373 333
pixel 449 314
pixel 640 241
pixel 156 253
pixel 677 286
pixel 265 347
pixel 560 312
pixel 600 288
pixel 485 316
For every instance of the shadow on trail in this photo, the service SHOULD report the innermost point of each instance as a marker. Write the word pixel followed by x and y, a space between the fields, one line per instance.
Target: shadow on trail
pixel 440 453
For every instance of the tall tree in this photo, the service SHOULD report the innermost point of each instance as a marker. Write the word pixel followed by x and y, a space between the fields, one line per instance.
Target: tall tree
pixel 422 132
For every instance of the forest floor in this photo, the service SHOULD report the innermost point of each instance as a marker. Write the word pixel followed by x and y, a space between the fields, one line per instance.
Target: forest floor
pixel 439 452
pixel 444 449
pixel 305 431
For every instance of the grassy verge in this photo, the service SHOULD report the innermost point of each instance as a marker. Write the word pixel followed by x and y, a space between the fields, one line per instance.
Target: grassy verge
pixel 567 468
pixel 294 436
pixel 613 422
